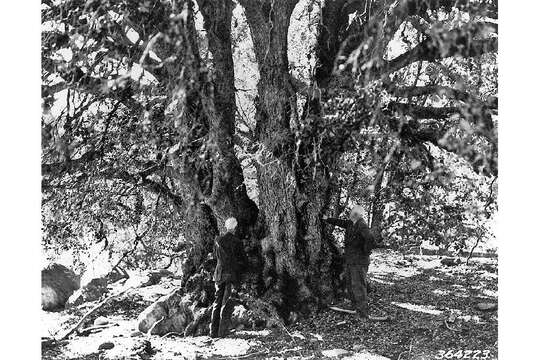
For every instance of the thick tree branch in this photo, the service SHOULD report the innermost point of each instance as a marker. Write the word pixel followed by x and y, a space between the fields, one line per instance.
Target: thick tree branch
pixel 429 50
pixel 229 195
pixel 333 25
pixel 455 94
pixel 260 31
pixel 100 89
pixel 367 42
pixel 423 112
pixel 415 133
pixel 480 117
pixel 148 184
pixel 70 166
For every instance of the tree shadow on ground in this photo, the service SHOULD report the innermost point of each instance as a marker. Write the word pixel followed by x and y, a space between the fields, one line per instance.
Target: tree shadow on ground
pixel 432 309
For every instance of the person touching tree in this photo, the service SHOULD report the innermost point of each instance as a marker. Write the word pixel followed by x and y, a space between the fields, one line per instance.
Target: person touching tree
pixel 359 242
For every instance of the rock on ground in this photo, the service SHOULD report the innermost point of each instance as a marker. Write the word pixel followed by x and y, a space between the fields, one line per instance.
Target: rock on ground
pixel 106 346
pixel 241 318
pixel 92 291
pixel 153 277
pixel 335 353
pixel 57 284
pixel 101 320
pixel 170 313
pixel 451 261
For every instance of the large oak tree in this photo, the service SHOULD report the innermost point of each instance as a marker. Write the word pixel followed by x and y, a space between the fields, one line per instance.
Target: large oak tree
pixel 147 121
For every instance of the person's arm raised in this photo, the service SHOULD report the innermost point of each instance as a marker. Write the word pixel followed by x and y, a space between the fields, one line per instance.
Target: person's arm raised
pixel 337 222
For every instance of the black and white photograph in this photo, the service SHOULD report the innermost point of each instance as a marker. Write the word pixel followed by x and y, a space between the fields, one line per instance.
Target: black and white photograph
pixel 268 179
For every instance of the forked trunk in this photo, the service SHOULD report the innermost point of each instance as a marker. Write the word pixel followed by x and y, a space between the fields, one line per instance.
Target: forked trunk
pixel 299 255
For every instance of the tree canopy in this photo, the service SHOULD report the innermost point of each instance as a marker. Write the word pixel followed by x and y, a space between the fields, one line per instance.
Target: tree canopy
pixel 163 118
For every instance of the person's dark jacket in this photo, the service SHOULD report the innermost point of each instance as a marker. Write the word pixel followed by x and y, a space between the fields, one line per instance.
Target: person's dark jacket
pixel 359 241
pixel 231 258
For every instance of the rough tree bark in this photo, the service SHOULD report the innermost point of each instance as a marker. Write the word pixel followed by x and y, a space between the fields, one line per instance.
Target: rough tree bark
pixel 218 192
pixel 229 195
pixel 300 257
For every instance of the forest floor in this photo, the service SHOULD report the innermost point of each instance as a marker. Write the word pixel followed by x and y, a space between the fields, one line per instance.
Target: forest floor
pixel 432 312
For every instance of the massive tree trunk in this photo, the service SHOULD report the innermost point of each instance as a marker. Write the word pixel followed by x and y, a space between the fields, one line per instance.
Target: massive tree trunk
pixel 229 195
pixel 299 253
pixel 215 183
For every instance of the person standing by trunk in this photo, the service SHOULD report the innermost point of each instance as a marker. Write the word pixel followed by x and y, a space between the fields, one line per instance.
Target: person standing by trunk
pixel 231 262
pixel 359 241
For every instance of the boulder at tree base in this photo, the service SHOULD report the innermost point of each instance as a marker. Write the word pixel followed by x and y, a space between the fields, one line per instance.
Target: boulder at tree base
pixel 176 313
pixel 172 312
pixel 57 284
pixel 106 346
pixel 450 261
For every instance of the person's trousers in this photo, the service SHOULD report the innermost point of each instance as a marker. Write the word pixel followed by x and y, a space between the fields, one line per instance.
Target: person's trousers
pixel 357 286
pixel 221 310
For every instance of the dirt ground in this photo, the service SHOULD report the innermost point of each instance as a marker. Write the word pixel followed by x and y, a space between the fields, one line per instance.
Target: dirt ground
pixel 432 312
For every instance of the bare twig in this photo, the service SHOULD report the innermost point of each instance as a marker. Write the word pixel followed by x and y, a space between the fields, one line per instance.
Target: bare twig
pixel 448 327
pixel 88 330
pixel 138 238
pixel 472 250
pixel 149 47
pixel 410 350
pixel 172 333
pixel 490 197
pixel 93 310
pixel 335 308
